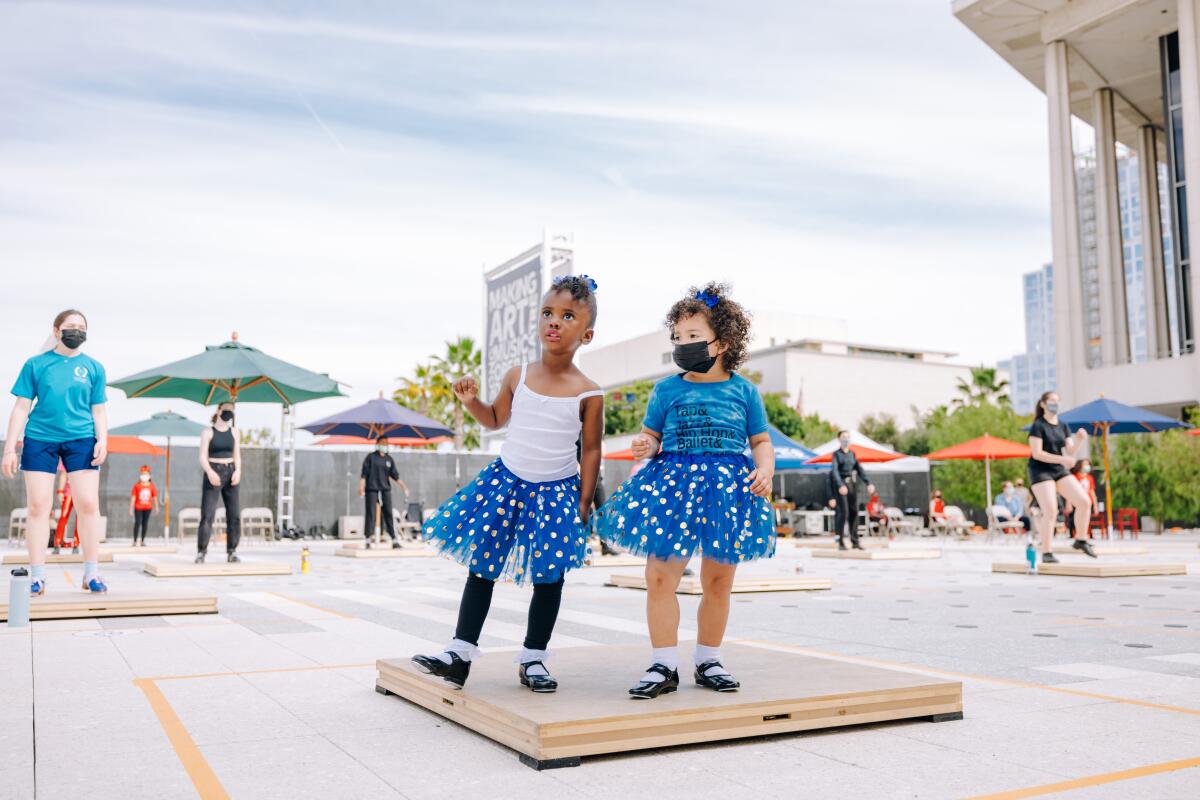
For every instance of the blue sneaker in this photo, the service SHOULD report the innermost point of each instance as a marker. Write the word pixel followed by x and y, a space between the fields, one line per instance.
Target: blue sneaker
pixel 96 585
pixel 37 587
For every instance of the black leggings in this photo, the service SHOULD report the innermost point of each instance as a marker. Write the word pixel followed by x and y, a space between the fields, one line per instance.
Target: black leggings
pixel 477 599
pixel 141 521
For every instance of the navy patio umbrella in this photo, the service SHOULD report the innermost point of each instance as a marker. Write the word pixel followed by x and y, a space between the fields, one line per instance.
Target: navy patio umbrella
pixel 377 418
pixel 789 454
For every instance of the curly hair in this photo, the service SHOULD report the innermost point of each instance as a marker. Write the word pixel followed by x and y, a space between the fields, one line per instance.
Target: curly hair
pixel 729 321
pixel 582 290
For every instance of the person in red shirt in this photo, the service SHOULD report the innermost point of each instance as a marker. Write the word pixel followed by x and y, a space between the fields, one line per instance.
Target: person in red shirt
pixel 876 513
pixel 1083 473
pixel 937 508
pixel 65 507
pixel 142 500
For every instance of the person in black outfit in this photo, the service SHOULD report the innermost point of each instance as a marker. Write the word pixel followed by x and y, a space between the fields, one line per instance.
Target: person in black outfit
pixel 846 474
pixel 1053 451
pixel 378 470
pixel 221 460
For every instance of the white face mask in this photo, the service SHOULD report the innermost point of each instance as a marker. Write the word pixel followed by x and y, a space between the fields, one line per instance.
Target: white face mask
pixel 844 443
pixel 144 478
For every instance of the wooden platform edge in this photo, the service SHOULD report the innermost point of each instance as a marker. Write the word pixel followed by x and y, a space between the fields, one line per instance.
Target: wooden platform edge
pixel 563 744
pixel 248 570
pixel 88 608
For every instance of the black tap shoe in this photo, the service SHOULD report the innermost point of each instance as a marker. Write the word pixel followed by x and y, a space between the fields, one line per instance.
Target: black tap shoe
pixel 455 673
pixel 718 683
pixel 648 690
pixel 537 683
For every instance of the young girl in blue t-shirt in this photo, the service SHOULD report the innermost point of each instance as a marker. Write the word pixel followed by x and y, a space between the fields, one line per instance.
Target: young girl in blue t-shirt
pixel 60 415
pixel 699 493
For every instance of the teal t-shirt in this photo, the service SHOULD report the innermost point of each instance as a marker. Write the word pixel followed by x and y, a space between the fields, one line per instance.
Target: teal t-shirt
pixel 63 390
pixel 705 417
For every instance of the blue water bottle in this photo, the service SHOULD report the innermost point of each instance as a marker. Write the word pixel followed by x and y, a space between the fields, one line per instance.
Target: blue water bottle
pixel 1031 556
pixel 18 599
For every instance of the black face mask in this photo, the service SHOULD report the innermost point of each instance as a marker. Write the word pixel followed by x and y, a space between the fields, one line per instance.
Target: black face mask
pixel 693 357
pixel 73 337
pixel 227 415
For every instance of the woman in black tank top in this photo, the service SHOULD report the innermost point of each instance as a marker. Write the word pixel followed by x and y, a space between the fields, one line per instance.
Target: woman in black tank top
pixel 221 460
pixel 1053 451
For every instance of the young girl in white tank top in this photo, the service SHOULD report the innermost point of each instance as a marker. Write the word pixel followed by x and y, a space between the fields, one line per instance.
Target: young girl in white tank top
pixel 524 517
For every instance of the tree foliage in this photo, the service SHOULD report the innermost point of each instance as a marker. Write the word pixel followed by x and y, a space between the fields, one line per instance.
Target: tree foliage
pixel 1158 474
pixel 430 389
pixel 625 407
pixel 808 429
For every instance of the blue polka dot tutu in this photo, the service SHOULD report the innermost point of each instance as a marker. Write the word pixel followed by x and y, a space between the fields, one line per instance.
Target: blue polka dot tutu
pixel 501 527
pixel 681 504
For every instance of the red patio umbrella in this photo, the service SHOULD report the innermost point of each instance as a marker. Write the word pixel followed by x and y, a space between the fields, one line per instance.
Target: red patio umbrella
pixel 867 455
pixel 985 448
pixel 620 455
pixel 132 445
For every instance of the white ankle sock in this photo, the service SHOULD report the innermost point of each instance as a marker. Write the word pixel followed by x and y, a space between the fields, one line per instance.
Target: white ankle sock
pixel 526 655
pixel 668 657
pixel 465 650
pixel 705 653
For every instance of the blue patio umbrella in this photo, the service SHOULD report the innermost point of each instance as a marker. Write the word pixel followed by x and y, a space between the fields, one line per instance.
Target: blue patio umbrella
pixel 1102 417
pixel 377 418
pixel 789 454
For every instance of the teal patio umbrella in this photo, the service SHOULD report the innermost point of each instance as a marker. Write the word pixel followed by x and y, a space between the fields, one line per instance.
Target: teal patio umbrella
pixel 238 373
pixel 166 425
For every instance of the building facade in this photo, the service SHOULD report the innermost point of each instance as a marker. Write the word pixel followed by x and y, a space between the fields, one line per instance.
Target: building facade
pixel 1032 372
pixel 1130 69
pixel 842 381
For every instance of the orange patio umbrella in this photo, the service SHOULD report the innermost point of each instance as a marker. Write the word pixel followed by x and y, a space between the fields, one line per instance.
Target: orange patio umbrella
pixel 132 445
pixel 984 449
pixel 867 455
pixel 620 455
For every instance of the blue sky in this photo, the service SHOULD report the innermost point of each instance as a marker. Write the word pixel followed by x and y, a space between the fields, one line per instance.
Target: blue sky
pixel 330 179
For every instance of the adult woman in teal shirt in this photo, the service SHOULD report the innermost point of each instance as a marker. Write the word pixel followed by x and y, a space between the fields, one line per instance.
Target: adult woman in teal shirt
pixel 60 414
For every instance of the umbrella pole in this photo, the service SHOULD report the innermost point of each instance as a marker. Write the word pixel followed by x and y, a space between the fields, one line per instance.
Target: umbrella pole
pixel 987 474
pixel 167 498
pixel 1107 487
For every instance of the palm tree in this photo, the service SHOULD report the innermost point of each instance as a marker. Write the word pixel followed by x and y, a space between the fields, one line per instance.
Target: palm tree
pixel 462 360
pixel 983 389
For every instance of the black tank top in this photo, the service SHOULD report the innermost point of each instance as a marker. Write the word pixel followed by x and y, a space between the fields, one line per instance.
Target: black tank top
pixel 221 444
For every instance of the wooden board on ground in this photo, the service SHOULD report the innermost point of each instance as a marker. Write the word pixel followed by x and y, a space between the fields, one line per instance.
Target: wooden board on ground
pixel 617 560
pixel 592 713
pixel 691 585
pixel 831 544
pixel 150 549
pixel 186 569
pixel 1092 569
pixel 386 551
pixel 62 558
pixel 878 555
pixel 361 544
pixel 1105 549
pixel 77 604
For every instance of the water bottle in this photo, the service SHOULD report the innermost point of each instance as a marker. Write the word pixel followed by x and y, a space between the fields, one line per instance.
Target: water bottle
pixel 1031 556
pixel 304 560
pixel 18 598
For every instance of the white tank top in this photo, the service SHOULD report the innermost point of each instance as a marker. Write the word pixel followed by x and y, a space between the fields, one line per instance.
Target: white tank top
pixel 542 432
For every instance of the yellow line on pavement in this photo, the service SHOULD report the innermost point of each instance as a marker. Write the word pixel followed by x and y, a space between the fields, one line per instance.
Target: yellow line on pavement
pixel 1092 780
pixel 208 786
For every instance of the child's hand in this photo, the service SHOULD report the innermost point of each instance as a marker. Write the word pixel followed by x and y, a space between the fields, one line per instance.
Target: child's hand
pixel 760 481
pixel 644 446
pixel 585 510
pixel 466 390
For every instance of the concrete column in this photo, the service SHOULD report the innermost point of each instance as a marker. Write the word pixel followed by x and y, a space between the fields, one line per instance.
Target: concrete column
pixel 1158 340
pixel 1189 90
pixel 1070 354
pixel 1110 261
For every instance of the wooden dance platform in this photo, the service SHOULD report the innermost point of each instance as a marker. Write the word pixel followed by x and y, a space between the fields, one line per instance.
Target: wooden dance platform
pixel 691 585
pixel 1094 570
pixel 1105 549
pixel 61 558
pixel 592 713
pixel 831 544
pixel 77 604
pixel 386 551
pixel 878 555
pixel 186 569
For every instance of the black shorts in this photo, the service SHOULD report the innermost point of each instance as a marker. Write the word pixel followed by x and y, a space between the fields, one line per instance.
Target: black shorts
pixel 1046 472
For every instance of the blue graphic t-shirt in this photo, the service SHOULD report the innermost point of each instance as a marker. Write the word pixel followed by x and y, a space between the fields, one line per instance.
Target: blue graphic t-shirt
pixel 705 417
pixel 63 390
